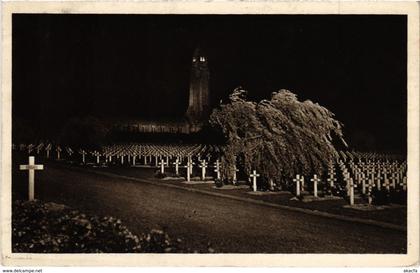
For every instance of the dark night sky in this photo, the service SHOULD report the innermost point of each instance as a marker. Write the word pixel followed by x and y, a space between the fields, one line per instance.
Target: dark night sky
pixel 139 65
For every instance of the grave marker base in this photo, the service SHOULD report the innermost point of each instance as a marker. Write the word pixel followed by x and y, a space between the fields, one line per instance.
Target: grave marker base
pixel 142 166
pixel 311 198
pixel 259 193
pixel 367 207
pixel 99 166
pixel 196 178
pixel 174 178
pixel 198 182
pixel 231 187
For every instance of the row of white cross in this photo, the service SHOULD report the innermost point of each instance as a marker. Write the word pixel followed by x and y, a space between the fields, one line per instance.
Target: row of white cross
pixel 184 150
pixel 147 152
pixel 300 184
pixel 363 175
pixel 189 166
pixel 371 174
pixel 129 151
pixel 299 180
pixel 365 156
pixel 31 167
pixel 360 172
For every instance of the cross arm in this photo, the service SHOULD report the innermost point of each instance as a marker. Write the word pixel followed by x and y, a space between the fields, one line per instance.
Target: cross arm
pixel 31 167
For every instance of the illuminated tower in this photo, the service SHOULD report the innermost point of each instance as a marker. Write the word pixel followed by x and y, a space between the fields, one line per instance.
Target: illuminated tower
pixel 199 101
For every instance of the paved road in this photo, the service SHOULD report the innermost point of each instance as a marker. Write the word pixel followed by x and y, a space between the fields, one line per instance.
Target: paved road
pixel 229 225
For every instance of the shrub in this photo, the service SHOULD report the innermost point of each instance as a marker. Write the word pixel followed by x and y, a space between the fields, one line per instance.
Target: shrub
pixel 218 183
pixel 52 228
pixel 86 132
pixel 160 175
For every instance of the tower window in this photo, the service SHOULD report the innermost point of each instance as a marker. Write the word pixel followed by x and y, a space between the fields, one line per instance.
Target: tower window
pixel 202 59
pixel 194 60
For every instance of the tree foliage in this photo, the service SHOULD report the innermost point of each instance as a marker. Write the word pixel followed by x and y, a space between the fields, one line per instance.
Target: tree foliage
pixel 86 132
pixel 279 138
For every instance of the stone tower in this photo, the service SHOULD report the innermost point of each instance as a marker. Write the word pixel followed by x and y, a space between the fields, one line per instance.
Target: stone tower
pixel 199 100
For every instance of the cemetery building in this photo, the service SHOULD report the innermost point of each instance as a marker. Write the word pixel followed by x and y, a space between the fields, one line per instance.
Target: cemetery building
pixel 198 105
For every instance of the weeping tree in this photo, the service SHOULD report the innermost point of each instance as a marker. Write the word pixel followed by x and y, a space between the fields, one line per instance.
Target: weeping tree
pixel 279 138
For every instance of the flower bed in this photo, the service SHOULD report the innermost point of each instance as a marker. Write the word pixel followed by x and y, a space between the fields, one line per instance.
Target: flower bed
pixel 39 227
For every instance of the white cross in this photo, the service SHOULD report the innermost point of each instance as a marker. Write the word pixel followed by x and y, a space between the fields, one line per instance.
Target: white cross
pixel 385 170
pixel 352 186
pixel 302 184
pixel 370 191
pixel 347 179
pixel 217 168
pixel 188 166
pixel 83 152
pixel 58 150
pixel 30 147
pixel 363 179
pixel 315 180
pixel 331 179
pixel 404 183
pixel 298 180
pixel 162 166
pixel 31 167
pixel 234 174
pixel 176 163
pixel 203 167
pixel 394 179
pixel 22 147
pixel 47 150
pixel 254 176
pixel 386 183
pixel 39 147
pixel 97 154
pixel 378 182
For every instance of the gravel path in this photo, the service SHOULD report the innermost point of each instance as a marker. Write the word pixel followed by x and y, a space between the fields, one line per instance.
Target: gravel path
pixel 203 221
